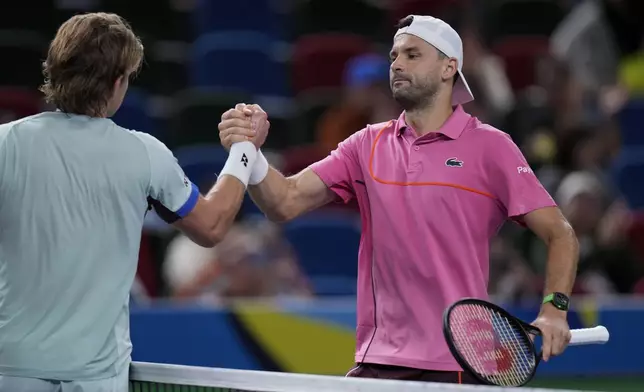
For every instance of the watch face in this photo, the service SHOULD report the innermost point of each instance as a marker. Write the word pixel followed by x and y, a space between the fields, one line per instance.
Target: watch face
pixel 561 301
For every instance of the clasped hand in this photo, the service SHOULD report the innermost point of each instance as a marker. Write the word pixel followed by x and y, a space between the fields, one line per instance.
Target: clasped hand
pixel 244 123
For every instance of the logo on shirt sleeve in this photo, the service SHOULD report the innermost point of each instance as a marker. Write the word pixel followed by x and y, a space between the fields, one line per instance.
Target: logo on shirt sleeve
pixel 244 160
pixel 524 169
pixel 186 182
pixel 453 162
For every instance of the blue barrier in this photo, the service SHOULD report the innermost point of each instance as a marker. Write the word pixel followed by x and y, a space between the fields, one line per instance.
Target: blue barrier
pixel 317 336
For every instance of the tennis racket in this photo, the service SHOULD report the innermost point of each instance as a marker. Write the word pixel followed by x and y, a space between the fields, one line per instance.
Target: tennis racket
pixel 496 347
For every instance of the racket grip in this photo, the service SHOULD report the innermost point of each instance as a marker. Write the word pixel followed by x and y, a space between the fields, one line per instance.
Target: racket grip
pixel 595 335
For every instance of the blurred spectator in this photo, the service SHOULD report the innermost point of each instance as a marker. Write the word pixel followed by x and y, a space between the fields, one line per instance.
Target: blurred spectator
pixel 511 277
pixel 253 260
pixel 494 95
pixel 606 264
pixel 631 72
pixel 367 99
pixel 595 36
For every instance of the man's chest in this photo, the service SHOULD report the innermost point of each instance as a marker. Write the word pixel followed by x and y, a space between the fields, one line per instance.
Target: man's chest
pixel 436 190
pixel 424 165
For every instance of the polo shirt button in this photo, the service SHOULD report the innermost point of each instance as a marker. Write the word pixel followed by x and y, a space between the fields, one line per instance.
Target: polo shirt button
pixel 416 148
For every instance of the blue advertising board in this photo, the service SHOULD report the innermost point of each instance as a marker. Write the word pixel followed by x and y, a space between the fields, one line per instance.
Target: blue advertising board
pixel 318 336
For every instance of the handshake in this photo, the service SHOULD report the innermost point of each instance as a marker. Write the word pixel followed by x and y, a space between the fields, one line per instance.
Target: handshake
pixel 244 123
pixel 242 132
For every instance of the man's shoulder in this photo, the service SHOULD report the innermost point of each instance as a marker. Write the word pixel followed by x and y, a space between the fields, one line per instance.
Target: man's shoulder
pixel 6 128
pixel 486 133
pixel 150 142
pixel 371 131
pixel 376 128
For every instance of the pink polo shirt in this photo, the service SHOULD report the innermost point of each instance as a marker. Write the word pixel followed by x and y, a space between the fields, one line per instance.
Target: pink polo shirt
pixel 429 207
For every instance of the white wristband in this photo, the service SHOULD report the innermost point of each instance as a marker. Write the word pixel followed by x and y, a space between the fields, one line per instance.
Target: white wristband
pixel 241 161
pixel 260 170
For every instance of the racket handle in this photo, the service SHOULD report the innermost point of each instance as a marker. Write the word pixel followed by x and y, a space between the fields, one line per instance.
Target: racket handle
pixel 595 335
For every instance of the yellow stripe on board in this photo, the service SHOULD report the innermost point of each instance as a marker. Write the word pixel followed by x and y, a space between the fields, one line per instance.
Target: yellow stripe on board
pixel 588 312
pixel 297 343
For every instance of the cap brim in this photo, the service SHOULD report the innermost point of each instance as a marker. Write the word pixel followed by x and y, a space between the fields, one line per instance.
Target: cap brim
pixel 461 94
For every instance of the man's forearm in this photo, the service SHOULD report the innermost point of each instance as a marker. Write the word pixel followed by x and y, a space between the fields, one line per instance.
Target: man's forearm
pixel 561 268
pixel 214 214
pixel 224 201
pixel 271 195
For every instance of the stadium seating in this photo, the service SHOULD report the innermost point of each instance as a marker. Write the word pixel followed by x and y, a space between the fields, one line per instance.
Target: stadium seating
pixel 19 102
pixel 162 75
pixel 244 60
pixel 199 111
pixel 202 163
pixel 23 17
pixel 631 123
pixel 133 113
pixel 318 60
pixel 25 50
pixel 521 56
pixel 322 16
pixel 511 18
pixel 437 8
pixel 311 106
pixel 154 19
pixel 213 16
pixel 326 245
pixel 628 174
pixel 628 165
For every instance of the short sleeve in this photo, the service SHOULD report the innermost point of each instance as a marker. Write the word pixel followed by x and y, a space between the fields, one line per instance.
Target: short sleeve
pixel 171 193
pixel 341 167
pixel 513 181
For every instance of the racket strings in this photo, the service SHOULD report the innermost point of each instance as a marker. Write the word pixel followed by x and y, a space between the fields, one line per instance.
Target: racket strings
pixel 493 346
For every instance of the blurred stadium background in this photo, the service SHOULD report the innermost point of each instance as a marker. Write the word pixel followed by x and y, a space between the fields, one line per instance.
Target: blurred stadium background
pixel 565 78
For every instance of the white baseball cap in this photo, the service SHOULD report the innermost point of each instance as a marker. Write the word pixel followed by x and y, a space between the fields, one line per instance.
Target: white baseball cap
pixel 444 38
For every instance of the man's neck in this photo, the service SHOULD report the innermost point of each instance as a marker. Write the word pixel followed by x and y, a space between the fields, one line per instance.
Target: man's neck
pixel 429 118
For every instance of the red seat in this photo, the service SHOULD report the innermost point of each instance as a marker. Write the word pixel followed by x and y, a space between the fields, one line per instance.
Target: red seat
pixel 635 235
pixel 17 102
pixel 521 56
pixel 319 60
pixel 299 158
pixel 638 288
pixel 146 271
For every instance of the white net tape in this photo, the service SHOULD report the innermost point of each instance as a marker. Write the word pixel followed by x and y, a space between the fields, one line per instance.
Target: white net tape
pixel 172 378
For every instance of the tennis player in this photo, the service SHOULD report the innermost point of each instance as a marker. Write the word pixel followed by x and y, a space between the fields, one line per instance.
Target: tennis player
pixel 74 190
pixel 434 186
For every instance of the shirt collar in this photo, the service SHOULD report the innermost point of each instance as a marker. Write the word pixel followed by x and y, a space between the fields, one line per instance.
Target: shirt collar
pixel 452 128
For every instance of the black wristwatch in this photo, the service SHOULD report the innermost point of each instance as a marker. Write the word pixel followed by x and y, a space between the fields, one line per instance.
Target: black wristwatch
pixel 558 300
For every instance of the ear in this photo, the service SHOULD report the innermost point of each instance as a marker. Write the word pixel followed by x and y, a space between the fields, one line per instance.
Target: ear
pixel 450 68
pixel 119 82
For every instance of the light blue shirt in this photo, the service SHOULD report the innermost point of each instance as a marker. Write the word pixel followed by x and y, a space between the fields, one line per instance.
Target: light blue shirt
pixel 74 191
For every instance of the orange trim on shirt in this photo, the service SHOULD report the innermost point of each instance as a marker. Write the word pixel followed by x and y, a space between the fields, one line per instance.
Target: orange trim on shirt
pixel 387 182
pixel 460 377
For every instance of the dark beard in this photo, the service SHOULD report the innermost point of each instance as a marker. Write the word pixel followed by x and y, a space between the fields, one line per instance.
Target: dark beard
pixel 411 102
pixel 416 96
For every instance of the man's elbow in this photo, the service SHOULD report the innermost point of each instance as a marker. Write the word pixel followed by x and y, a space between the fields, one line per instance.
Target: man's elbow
pixel 285 212
pixel 209 236
pixel 564 232
pixel 206 240
pixel 219 231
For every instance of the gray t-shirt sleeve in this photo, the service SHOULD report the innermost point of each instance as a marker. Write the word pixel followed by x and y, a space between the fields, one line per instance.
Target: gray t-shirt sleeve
pixel 170 193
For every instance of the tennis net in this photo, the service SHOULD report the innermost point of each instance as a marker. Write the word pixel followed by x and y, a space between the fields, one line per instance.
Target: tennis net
pixel 154 377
